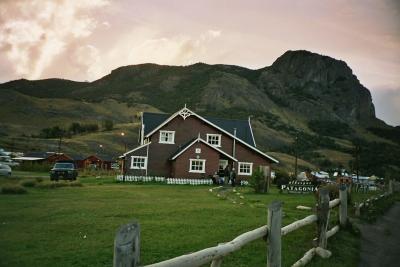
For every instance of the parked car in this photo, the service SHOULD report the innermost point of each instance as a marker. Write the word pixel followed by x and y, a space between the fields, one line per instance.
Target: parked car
pixel 9 162
pixel 5 170
pixel 63 170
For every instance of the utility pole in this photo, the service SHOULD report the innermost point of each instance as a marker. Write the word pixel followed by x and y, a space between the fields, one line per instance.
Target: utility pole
pixel 295 154
pixel 358 162
pixel 59 144
pixel 124 158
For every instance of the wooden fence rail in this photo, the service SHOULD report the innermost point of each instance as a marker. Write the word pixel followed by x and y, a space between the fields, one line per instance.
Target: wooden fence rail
pixel 359 206
pixel 272 232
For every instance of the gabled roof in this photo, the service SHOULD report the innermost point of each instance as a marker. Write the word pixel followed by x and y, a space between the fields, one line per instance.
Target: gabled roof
pixel 103 157
pixel 42 155
pixel 197 140
pixel 152 120
pixel 185 112
pixel 137 148
pixel 76 156
pixel 243 127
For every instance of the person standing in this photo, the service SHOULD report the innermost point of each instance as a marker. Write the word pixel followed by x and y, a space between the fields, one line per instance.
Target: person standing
pixel 221 174
pixel 232 177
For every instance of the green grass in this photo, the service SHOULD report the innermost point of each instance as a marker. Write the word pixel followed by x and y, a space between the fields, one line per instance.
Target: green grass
pixel 75 226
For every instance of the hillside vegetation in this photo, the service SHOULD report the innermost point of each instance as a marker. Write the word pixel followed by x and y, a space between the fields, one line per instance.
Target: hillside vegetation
pixel 303 103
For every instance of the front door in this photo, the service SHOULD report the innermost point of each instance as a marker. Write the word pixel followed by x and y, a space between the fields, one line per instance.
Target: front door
pixel 222 164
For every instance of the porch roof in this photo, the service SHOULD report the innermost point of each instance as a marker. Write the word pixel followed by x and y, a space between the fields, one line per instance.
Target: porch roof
pixel 197 140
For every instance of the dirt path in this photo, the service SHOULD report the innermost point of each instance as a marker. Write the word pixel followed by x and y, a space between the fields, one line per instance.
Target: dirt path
pixel 380 242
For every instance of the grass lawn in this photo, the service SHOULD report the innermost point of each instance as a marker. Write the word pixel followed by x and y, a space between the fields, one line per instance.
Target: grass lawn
pixel 75 226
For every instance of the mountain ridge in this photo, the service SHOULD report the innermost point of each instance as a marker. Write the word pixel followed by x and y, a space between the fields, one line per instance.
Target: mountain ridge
pixel 301 93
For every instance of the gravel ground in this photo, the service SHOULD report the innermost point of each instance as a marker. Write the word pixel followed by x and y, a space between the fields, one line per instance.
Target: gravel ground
pixel 380 242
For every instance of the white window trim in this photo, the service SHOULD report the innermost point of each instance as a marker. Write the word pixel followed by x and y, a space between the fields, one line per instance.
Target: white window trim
pixel 219 139
pixel 245 173
pixel 197 171
pixel 136 167
pixel 169 142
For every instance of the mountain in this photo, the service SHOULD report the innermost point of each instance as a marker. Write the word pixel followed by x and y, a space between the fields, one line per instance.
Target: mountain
pixel 313 99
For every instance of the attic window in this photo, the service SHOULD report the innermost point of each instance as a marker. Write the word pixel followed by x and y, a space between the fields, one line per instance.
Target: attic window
pixel 214 139
pixel 167 137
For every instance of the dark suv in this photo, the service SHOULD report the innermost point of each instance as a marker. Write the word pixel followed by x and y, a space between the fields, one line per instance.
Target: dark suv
pixel 63 170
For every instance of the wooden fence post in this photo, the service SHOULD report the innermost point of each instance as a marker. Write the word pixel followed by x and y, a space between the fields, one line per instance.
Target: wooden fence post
pixel 343 205
pixel 217 262
pixel 323 217
pixel 274 234
pixel 127 245
pixel 267 177
pixel 358 209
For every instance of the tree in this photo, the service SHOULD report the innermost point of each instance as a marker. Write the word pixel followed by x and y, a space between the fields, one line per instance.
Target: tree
pixel 75 128
pixel 108 125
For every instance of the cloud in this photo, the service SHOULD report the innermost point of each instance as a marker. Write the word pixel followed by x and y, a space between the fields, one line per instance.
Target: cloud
pixel 144 45
pixel 33 33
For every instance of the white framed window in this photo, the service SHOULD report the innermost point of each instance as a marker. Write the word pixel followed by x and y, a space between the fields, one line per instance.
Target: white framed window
pixel 167 137
pixel 197 165
pixel 198 150
pixel 214 139
pixel 245 168
pixel 138 162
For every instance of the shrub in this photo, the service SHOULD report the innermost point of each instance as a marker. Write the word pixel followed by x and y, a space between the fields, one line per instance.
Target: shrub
pixel 39 179
pixel 35 167
pixel 281 177
pixel 13 189
pixel 257 181
pixel 108 125
pixel 28 183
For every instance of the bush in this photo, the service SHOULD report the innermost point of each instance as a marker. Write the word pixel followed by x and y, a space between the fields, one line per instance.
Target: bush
pixel 28 183
pixel 108 125
pixel 281 177
pixel 257 181
pixel 34 167
pixel 13 189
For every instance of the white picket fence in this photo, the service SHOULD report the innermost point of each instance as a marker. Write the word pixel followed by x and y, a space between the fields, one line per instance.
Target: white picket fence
pixel 171 181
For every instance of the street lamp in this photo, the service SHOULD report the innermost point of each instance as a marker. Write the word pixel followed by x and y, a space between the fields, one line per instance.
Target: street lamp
pixel 123 135
pixel 124 158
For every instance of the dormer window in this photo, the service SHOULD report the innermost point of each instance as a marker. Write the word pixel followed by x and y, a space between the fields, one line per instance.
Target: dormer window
pixel 167 137
pixel 214 139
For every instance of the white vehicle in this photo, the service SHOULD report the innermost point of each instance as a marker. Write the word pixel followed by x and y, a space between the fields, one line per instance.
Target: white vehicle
pixel 5 170
pixel 10 163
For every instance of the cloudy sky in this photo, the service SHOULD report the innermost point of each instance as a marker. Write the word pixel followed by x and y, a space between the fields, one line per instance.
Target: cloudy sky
pixel 86 39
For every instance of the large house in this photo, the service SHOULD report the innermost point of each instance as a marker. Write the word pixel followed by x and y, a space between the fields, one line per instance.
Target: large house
pixel 187 145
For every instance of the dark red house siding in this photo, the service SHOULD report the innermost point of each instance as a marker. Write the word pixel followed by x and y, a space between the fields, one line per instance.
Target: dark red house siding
pixel 185 131
pixel 57 157
pixel 244 154
pixel 94 160
pixel 181 165
pixel 140 152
